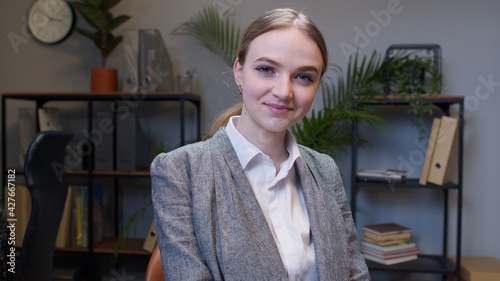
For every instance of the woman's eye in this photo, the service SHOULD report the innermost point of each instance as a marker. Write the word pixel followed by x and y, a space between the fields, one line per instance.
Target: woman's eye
pixel 305 77
pixel 264 69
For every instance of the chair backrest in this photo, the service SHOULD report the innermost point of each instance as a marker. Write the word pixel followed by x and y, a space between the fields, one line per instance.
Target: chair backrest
pixel 154 272
pixel 47 183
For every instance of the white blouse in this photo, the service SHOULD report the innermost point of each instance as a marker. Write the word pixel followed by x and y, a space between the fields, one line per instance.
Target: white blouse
pixel 282 202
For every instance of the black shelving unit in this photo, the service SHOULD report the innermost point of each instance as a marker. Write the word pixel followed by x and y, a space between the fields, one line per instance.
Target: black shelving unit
pixel 134 246
pixel 432 264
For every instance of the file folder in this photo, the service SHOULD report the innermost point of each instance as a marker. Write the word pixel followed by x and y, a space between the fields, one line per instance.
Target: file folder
pixel 103 145
pixel 440 168
pixel 436 124
pixel 132 150
pixel 151 239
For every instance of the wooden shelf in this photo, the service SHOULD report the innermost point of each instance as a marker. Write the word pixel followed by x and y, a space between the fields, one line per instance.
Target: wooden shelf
pixel 424 264
pixel 107 246
pixel 132 246
pixel 409 183
pixel 104 96
pixel 401 99
pixel 142 173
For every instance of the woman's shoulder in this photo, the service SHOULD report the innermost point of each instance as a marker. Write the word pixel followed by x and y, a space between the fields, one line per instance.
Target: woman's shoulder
pixel 311 155
pixel 196 153
pixel 187 151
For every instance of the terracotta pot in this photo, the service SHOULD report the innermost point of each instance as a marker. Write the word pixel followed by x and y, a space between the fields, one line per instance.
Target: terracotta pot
pixel 104 80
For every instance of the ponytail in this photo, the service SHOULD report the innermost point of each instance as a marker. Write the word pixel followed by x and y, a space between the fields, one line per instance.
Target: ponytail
pixel 222 120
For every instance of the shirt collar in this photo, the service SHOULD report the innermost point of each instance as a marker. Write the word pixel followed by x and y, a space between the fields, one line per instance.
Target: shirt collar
pixel 246 151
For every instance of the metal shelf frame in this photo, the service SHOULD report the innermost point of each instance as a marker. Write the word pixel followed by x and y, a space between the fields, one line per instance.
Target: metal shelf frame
pixel 433 264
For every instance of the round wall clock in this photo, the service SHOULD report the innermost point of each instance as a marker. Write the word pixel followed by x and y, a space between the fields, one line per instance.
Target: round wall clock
pixel 51 21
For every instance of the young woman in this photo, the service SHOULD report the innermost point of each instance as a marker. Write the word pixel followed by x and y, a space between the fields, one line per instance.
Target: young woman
pixel 249 203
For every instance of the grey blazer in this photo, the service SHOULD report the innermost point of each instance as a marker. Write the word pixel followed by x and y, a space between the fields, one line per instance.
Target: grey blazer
pixel 210 226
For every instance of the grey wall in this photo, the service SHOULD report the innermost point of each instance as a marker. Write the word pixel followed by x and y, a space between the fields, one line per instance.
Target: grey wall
pixel 467 32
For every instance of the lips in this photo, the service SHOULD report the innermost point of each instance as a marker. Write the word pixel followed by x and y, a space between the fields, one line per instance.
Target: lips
pixel 278 109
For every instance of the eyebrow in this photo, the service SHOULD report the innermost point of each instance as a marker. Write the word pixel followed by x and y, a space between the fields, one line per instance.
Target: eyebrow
pixel 275 63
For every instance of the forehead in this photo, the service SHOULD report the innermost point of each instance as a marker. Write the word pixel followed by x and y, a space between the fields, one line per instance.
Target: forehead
pixel 284 45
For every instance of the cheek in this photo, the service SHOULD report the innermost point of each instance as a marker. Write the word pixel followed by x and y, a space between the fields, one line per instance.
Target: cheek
pixel 256 90
pixel 305 99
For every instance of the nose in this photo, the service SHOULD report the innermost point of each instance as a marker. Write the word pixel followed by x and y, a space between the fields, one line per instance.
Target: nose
pixel 283 89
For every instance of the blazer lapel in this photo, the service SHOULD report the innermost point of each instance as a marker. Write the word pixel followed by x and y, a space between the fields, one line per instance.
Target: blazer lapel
pixel 246 242
pixel 323 216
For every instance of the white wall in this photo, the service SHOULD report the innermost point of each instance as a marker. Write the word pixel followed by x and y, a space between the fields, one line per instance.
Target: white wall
pixel 467 32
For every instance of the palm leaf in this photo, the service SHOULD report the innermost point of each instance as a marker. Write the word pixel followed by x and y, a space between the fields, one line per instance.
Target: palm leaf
pixel 217 33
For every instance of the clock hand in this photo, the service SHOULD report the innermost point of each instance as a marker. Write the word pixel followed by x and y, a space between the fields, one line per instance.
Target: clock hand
pixel 49 17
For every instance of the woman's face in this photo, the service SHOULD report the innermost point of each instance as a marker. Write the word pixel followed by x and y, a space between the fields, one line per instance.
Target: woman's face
pixel 279 80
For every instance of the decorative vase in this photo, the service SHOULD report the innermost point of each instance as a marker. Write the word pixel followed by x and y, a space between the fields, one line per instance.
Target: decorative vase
pixel 104 80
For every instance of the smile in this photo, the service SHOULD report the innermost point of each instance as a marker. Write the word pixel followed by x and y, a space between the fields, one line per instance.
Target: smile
pixel 278 109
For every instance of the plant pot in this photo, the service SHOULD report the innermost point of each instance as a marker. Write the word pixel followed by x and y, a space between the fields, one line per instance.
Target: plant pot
pixel 104 80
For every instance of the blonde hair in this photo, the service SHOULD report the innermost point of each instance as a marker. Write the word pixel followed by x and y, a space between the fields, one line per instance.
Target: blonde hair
pixel 269 21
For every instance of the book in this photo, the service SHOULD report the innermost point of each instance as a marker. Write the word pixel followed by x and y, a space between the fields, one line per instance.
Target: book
pixel 63 239
pixel 404 253
pixel 390 261
pixel 387 237
pixel 381 175
pixel 386 228
pixel 98 213
pixel 388 249
pixel 79 233
pixel 385 242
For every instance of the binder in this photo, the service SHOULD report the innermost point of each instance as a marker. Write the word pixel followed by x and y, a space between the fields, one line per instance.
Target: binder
pixel 132 152
pixel 155 66
pixel 151 239
pixel 430 151
pixel 103 148
pixel 49 119
pixel 130 82
pixel 439 171
pixel 27 131
pixel 147 63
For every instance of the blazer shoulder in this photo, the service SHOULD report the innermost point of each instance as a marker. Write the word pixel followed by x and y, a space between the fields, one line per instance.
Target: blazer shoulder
pixel 315 158
pixel 188 153
pixel 322 166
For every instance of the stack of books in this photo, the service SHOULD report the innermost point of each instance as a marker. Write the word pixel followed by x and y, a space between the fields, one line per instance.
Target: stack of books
pixel 388 243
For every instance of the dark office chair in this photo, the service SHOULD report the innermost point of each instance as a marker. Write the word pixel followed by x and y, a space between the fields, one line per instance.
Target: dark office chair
pixel 48 186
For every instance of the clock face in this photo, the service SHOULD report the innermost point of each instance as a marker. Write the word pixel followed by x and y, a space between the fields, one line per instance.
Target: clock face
pixel 50 21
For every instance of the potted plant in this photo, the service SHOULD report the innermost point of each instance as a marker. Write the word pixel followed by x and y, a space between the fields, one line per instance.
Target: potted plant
pixel 414 77
pixel 98 16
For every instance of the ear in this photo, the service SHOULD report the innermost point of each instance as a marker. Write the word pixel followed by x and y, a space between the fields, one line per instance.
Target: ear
pixel 238 72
